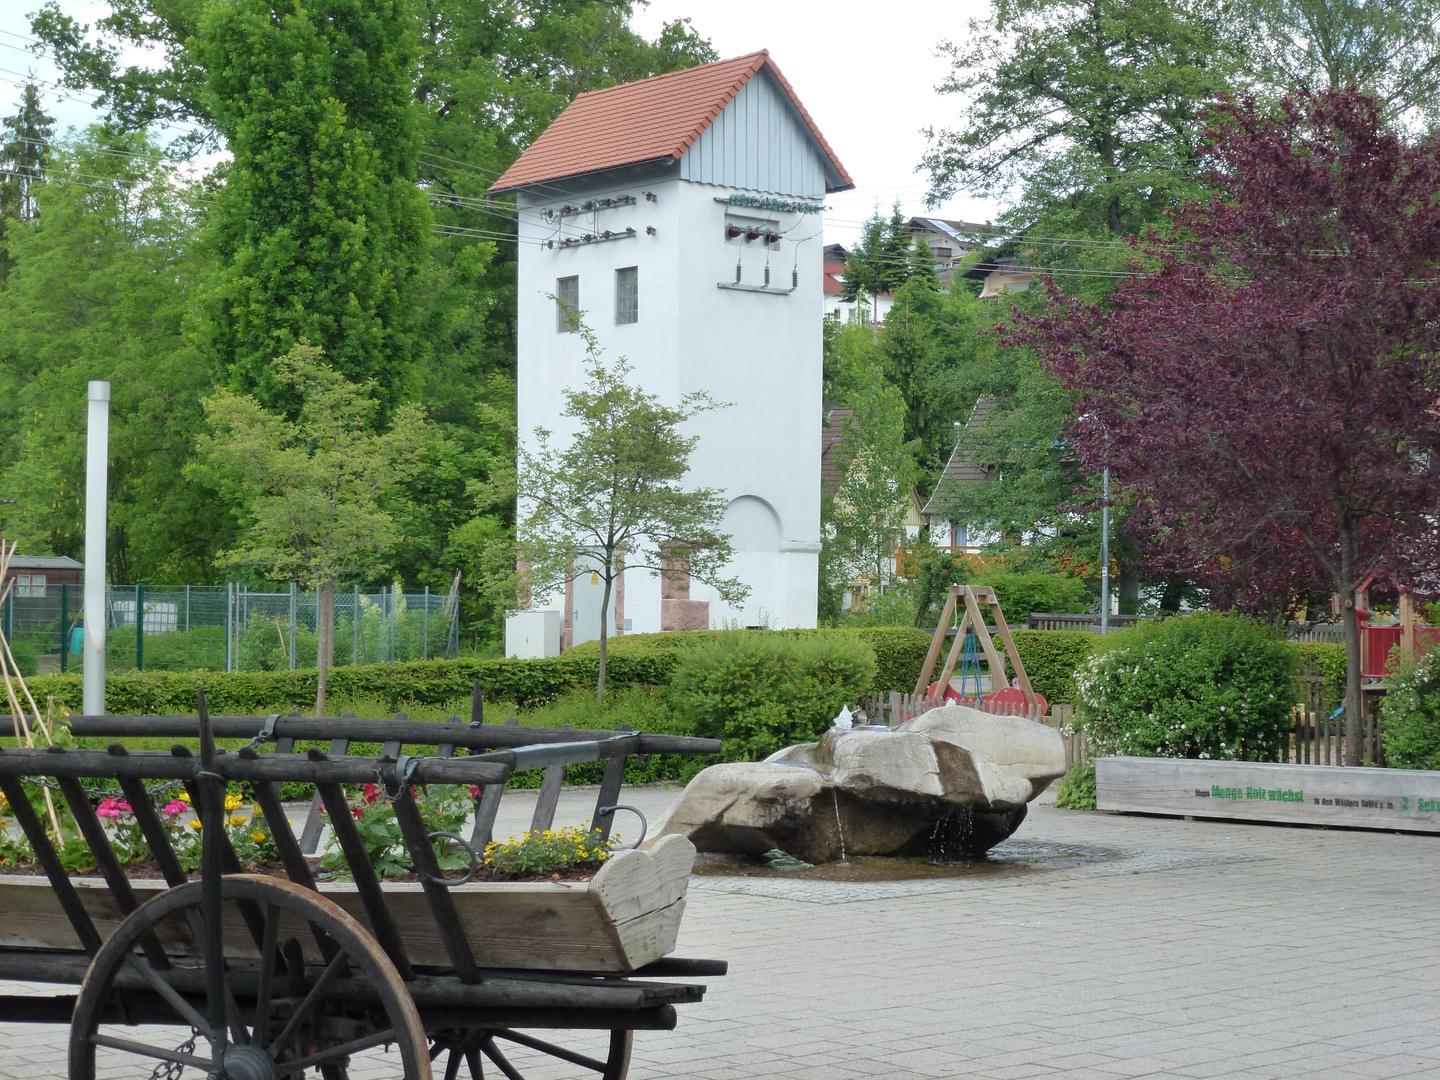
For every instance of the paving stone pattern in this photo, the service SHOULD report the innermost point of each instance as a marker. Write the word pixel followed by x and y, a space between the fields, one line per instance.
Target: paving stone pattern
pixel 1180 949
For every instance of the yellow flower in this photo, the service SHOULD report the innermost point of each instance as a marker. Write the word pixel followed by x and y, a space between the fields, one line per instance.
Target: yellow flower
pixel 255 810
pixel 233 802
pixel 196 825
pixel 258 836
pixel 236 819
pixel 184 796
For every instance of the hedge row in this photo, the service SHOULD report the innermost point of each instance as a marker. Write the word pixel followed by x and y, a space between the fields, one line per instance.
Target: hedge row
pixel 1050 658
pixel 432 682
pixel 899 650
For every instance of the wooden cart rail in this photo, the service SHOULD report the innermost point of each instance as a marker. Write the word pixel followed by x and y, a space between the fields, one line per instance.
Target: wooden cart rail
pixel 475 737
pixel 231 1000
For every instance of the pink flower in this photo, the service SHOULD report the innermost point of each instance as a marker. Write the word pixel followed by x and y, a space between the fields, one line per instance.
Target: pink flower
pixel 112 808
pixel 475 791
pixel 174 808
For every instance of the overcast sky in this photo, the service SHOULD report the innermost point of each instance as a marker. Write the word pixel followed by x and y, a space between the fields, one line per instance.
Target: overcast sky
pixel 867 73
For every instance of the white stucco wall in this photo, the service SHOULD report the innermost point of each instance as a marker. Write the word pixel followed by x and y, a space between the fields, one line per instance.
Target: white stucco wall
pixel 759 352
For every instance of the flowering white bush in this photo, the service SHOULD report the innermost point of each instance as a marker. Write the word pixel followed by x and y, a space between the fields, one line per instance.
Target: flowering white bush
pixel 1197 686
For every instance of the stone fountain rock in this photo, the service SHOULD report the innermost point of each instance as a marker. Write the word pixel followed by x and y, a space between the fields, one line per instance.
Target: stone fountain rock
pixel 876 792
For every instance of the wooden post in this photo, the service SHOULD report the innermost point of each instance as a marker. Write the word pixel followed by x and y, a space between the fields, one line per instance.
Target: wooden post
pixel 923 683
pixel 1407 626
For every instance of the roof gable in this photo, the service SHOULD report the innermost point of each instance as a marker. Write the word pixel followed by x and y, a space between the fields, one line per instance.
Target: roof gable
pixel 650 120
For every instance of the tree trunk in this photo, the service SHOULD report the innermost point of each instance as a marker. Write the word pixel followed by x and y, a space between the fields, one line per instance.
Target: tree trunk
pixel 324 639
pixel 1351 622
pixel 604 637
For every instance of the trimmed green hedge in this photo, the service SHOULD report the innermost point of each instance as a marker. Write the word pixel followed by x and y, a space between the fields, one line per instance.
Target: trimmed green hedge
pixel 1050 658
pixel 899 650
pixel 432 682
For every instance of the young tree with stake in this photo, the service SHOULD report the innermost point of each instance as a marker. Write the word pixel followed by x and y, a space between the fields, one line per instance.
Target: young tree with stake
pixel 612 499
pixel 311 488
pixel 1268 395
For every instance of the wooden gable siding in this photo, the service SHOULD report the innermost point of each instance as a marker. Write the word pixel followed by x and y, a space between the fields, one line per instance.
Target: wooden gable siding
pixel 758 143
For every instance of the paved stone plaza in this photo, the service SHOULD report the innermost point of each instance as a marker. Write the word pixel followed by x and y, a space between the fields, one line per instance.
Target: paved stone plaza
pixel 1115 947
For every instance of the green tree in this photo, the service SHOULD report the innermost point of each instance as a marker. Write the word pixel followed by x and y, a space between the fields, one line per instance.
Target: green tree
pixel 310 491
pixel 24 151
pixel 928 338
pixel 1390 49
pixel 612 498
pixel 862 519
pixel 1085 112
pixel 99 290
pixel 319 227
pixel 886 258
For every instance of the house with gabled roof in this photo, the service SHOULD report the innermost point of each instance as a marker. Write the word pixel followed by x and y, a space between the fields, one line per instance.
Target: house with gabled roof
pixel 962 469
pixel 681 217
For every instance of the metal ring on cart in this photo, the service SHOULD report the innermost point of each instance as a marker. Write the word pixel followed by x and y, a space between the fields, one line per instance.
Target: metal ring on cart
pixel 469 850
pixel 644 825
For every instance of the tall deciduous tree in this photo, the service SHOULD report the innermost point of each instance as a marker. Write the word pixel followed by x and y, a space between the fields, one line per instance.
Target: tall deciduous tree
pixel 1268 395
pixel 612 497
pixel 311 490
pixel 320 226
pixel 1086 110
pixel 99 289
pixel 1387 48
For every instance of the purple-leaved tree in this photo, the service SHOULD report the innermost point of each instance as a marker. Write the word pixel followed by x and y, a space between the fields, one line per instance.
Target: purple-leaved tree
pixel 1269 393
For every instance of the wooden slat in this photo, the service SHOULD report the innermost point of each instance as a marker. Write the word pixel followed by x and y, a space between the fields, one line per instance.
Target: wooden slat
pixel 49 860
pixel 549 797
pixel 314 822
pixel 362 871
pixel 610 784
pixel 936 642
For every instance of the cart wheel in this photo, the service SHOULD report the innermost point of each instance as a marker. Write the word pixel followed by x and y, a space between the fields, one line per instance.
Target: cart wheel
pixel 318 990
pixel 470 1048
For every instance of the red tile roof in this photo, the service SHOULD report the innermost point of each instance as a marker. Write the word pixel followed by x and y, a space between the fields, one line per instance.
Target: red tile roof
pixel 645 120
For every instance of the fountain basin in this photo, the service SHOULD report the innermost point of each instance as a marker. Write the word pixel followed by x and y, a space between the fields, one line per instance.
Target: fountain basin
pixel 875 792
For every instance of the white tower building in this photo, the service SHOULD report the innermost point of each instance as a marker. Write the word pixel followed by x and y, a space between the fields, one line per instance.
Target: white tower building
pixel 682 215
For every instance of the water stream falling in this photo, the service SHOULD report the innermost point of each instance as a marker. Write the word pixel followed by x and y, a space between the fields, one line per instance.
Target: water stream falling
pixel 950 841
pixel 839 828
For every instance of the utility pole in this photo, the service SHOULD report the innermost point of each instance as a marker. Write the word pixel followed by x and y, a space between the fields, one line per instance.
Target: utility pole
pixel 1105 555
pixel 97 467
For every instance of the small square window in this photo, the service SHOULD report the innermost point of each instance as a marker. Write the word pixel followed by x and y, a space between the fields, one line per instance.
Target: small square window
pixel 567 305
pixel 627 295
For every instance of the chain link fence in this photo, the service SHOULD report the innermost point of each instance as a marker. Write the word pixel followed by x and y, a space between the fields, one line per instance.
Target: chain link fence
pixel 229 627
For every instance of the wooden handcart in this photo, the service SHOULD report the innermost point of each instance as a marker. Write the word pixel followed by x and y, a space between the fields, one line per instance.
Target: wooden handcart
pixel 274 977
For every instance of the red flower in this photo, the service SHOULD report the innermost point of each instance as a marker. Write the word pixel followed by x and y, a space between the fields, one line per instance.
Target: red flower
pixel 357 811
pixel 475 792
pixel 372 795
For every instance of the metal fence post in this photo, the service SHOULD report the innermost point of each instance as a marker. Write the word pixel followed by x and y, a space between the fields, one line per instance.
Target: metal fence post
pixel 426 654
pixel 64 626
pixel 229 620
pixel 187 609
pixel 355 628
pixel 139 627
pixel 292 626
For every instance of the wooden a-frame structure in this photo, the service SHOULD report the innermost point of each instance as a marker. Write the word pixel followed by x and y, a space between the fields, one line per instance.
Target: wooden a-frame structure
pixel 974 596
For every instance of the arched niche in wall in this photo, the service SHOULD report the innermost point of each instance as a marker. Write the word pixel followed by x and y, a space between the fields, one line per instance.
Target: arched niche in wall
pixel 755 533
pixel 753 524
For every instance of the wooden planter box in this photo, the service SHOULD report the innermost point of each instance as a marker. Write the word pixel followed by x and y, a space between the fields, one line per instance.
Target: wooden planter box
pixel 620 920
pixel 1330 795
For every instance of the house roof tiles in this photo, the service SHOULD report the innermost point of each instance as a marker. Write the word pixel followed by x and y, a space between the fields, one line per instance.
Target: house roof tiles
pixel 646 120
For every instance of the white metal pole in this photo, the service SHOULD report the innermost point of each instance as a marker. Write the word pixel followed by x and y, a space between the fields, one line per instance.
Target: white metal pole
pixel 97 464
pixel 1105 557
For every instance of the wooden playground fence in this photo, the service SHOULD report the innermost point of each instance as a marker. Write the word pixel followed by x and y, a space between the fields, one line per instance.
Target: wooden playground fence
pixel 1317 737
pixel 898 708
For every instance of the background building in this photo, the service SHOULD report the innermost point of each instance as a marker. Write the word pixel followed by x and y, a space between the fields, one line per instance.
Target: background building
pixel 681 215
